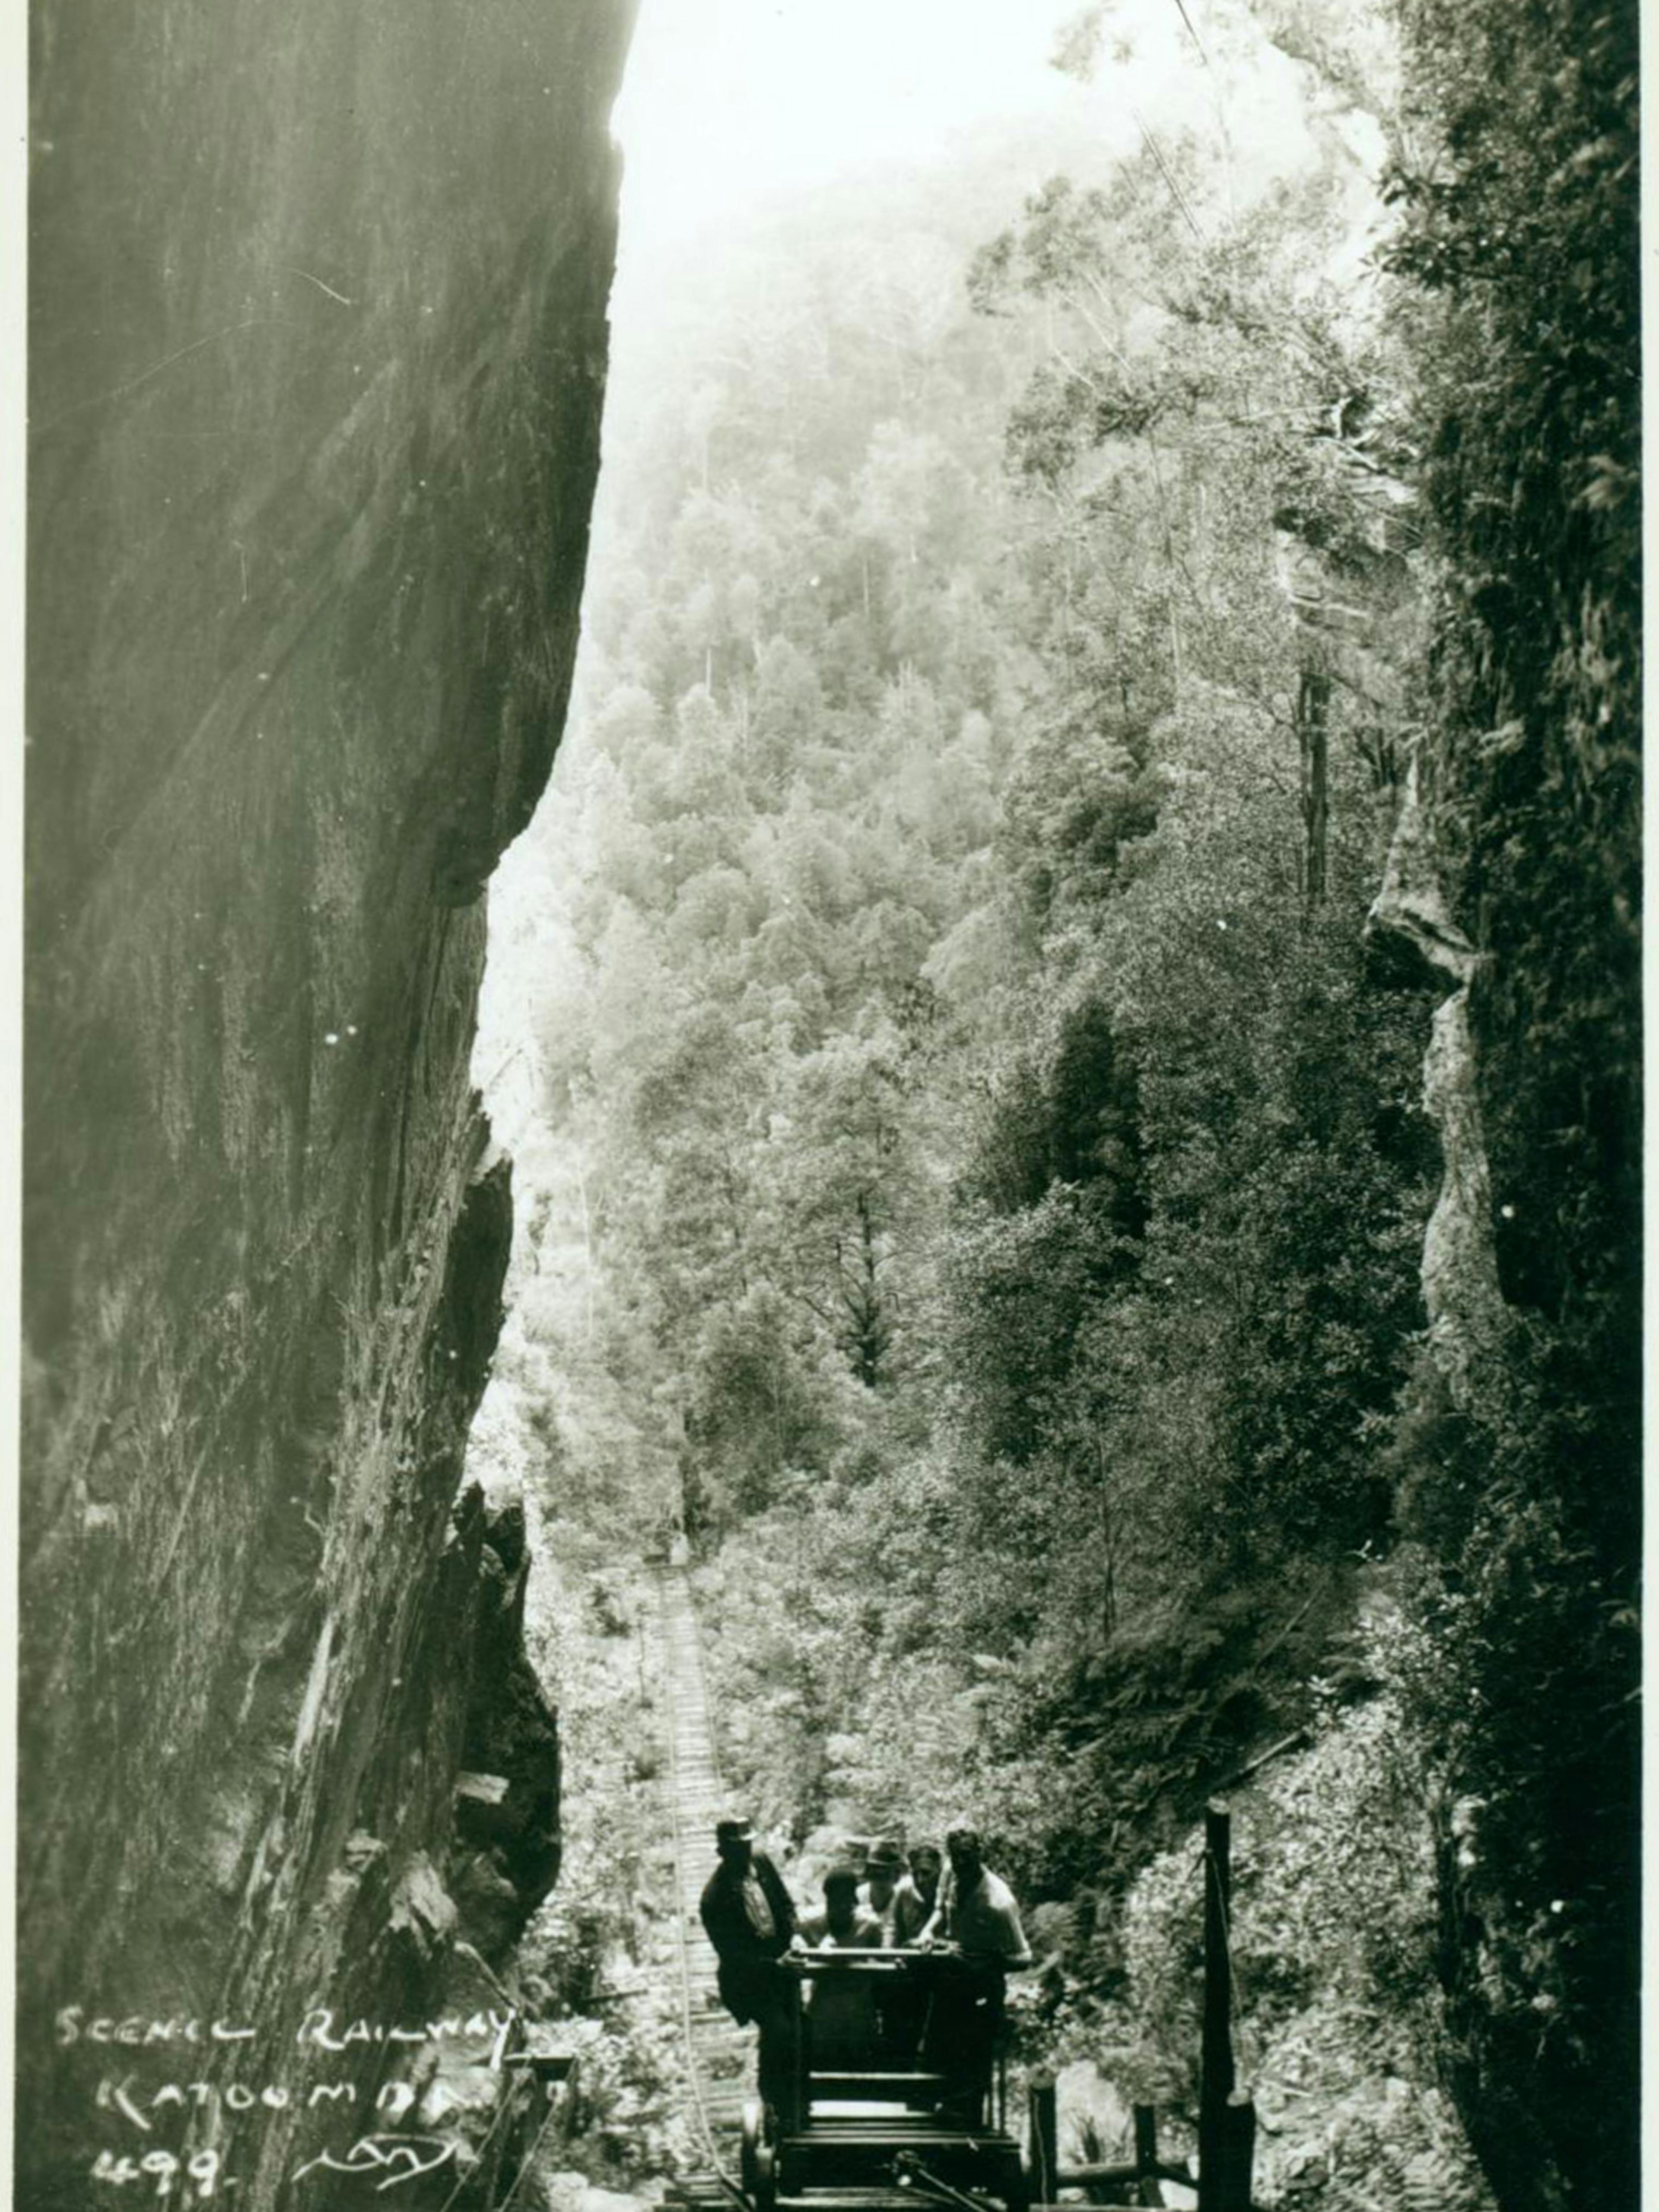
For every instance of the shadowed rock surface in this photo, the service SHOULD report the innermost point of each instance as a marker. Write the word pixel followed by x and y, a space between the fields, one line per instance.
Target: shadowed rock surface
pixel 318 349
pixel 1411 924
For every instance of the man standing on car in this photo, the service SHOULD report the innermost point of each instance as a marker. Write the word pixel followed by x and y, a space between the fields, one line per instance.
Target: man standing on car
pixel 977 1921
pixel 750 1917
pixel 977 1910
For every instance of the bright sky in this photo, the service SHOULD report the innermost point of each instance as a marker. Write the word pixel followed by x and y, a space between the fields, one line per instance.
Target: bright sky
pixel 727 101
pixel 730 105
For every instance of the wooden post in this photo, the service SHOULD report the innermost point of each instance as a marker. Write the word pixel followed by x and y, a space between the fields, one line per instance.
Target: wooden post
pixel 1148 2191
pixel 1043 2111
pixel 1216 2079
pixel 1235 2154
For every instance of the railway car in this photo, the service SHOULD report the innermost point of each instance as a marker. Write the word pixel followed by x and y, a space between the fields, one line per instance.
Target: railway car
pixel 882 2132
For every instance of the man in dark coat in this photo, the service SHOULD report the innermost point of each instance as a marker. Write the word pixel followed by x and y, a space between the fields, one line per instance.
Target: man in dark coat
pixel 751 1921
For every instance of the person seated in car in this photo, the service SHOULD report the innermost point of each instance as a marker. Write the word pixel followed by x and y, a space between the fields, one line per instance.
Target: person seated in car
pixel 844 2026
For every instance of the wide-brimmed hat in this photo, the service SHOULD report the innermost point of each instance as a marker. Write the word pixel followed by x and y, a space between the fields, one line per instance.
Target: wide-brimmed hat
pixel 884 1855
pixel 735 1829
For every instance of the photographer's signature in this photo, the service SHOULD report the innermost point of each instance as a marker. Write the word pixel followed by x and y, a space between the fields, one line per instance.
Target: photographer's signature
pixel 395 2158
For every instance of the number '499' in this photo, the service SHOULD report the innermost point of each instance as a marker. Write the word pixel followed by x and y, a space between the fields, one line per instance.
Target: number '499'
pixel 164 2168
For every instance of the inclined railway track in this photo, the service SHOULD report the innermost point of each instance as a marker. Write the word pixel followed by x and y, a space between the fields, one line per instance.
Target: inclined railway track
pixel 719 2054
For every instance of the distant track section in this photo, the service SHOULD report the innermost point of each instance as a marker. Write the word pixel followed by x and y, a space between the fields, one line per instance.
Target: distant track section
pixel 719 2054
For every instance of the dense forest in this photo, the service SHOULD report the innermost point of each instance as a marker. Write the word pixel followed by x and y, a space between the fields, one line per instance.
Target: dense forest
pixel 1077 684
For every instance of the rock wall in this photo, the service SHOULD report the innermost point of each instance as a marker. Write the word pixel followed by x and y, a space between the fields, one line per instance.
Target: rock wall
pixel 317 353
pixel 1411 926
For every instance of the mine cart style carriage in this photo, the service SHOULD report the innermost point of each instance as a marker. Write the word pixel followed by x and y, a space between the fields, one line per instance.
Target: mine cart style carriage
pixel 886 2137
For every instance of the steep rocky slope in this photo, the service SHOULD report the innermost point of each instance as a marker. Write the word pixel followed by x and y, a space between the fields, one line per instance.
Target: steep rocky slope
pixel 318 347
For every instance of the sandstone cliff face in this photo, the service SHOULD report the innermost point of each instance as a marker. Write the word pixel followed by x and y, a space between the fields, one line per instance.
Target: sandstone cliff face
pixel 1411 921
pixel 318 346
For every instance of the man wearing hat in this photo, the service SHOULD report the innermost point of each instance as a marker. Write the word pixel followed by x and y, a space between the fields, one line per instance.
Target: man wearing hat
pixel 893 1899
pixel 751 1921
pixel 883 1892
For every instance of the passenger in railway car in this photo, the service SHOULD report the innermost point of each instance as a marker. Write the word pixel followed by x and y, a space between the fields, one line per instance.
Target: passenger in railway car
pixel 975 1910
pixel 976 1926
pixel 886 1889
pixel 751 1922
pixel 917 1896
pixel 842 1922
pixel 914 1896
pixel 888 1896
pixel 842 2008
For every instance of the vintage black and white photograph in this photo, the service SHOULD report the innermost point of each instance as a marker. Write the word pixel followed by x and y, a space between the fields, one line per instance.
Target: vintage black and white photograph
pixel 830 1371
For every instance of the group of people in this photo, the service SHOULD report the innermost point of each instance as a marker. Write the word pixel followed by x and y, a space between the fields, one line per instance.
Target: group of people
pixel 947 1906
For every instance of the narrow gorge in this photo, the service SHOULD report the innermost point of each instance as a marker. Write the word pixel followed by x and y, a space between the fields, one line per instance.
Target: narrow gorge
pixel 915 1114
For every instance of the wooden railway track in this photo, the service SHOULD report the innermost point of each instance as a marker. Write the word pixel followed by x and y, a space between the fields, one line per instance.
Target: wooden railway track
pixel 720 2055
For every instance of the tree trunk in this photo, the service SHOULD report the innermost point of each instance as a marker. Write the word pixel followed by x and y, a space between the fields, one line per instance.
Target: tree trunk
pixel 863 1300
pixel 1313 700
